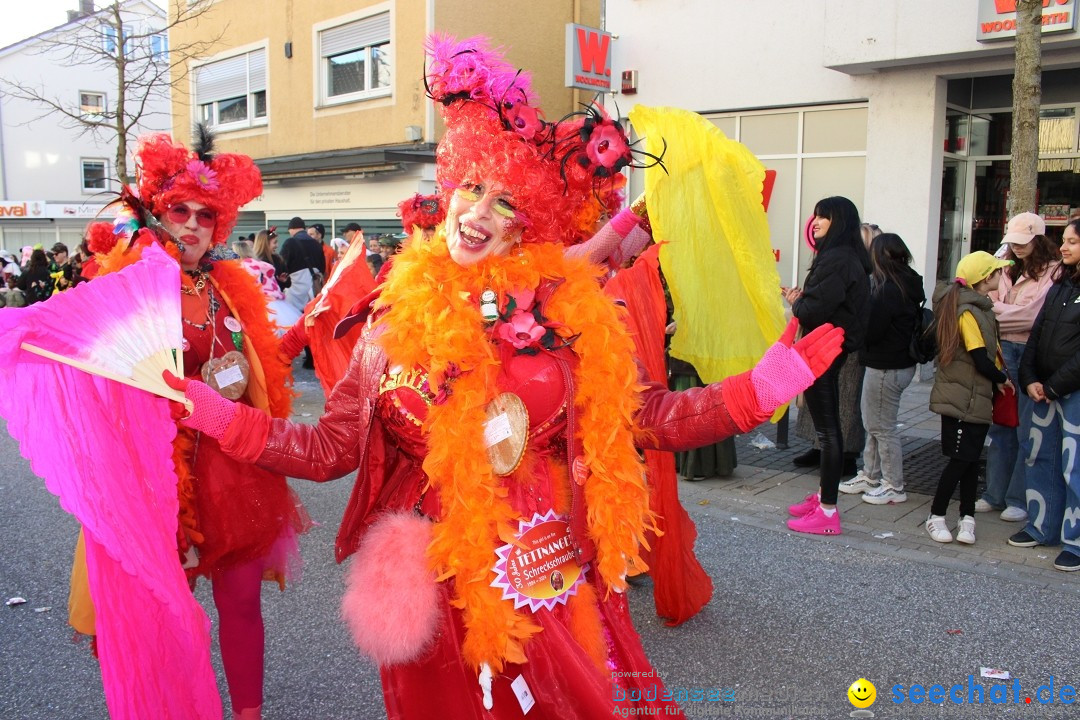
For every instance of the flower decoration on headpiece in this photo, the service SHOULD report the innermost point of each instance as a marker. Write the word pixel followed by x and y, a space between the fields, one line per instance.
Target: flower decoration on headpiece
pixel 495 131
pixel 167 173
pixel 423 211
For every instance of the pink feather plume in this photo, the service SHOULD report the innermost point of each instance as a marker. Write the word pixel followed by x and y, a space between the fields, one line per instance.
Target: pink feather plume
pixel 391 601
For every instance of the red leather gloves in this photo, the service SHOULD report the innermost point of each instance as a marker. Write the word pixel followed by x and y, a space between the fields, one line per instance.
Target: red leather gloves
pixel 211 414
pixel 786 370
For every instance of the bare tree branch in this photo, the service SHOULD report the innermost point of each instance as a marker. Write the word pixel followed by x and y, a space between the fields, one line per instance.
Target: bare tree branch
pixel 135 52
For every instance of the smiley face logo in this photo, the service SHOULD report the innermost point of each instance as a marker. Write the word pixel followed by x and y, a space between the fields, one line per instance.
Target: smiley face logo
pixel 862 693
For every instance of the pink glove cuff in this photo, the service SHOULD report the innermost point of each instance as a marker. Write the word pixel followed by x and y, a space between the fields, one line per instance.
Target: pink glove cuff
pixel 779 376
pixel 624 221
pixel 212 413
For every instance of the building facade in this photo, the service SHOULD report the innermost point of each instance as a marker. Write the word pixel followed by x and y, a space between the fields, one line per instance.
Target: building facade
pixel 54 178
pixel 328 95
pixel 904 106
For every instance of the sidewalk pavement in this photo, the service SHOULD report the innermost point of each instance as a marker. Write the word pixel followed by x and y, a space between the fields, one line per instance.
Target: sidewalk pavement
pixel 766 482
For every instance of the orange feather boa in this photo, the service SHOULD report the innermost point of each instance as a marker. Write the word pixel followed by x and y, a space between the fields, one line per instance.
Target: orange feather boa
pixel 434 319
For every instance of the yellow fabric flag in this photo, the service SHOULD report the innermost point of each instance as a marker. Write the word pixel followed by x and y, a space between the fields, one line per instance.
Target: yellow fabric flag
pixel 718 260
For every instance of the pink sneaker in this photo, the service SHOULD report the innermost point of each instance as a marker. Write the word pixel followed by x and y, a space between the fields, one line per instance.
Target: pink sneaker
pixel 816 522
pixel 809 503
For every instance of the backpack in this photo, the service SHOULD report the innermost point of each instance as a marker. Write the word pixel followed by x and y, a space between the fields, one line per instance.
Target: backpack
pixel 923 346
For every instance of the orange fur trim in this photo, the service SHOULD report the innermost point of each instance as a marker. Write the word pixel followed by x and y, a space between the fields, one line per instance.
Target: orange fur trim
pixel 433 309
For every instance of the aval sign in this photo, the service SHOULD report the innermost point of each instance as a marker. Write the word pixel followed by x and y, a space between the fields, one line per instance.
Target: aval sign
pixel 588 58
pixel 997 18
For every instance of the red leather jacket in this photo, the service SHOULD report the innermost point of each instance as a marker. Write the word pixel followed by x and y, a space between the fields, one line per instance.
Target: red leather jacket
pixel 349 436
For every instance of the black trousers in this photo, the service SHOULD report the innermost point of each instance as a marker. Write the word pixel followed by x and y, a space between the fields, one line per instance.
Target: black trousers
pixel 823 402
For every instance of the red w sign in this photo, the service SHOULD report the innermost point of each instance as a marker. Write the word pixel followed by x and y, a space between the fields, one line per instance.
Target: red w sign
pixel 588 58
pixel 593 50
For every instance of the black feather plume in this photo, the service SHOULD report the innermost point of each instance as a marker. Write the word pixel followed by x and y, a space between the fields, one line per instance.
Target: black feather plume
pixel 204 143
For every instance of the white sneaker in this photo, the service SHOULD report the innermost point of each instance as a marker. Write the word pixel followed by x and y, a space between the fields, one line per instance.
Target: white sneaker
pixel 966 532
pixel 884 495
pixel 983 506
pixel 1014 514
pixel 858 484
pixel 939 531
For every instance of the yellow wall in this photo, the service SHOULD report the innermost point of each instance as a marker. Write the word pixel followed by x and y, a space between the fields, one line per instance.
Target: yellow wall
pixel 533 33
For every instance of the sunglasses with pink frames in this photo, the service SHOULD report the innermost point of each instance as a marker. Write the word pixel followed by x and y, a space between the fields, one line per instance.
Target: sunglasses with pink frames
pixel 179 214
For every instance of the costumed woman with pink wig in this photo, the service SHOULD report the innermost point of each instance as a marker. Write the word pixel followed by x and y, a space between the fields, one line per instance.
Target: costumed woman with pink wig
pixel 492 407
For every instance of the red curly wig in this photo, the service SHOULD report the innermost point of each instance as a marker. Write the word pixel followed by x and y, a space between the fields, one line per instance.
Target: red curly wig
pixel 169 173
pixel 558 175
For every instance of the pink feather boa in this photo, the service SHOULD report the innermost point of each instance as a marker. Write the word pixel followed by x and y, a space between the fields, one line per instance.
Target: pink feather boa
pixel 391 597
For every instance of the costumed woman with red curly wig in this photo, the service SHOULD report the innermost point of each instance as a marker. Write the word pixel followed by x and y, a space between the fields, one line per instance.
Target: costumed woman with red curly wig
pixel 238 522
pixel 492 407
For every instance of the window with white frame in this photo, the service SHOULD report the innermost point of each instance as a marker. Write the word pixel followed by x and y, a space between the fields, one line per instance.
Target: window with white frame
pixel 231 93
pixel 91 104
pixel 355 60
pixel 95 173
pixel 108 38
pixel 159 48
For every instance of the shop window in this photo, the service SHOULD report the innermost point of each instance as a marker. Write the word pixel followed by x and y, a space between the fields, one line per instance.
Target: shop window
pixel 727 125
pixel 826 131
pixel 355 60
pixel 771 134
pixel 94 174
pixel 231 93
pixel 1057 131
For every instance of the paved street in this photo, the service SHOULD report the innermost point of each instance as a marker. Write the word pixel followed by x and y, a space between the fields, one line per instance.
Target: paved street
pixel 793 622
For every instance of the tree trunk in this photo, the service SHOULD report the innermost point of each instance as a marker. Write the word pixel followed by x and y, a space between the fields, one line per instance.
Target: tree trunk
pixel 1027 96
pixel 121 96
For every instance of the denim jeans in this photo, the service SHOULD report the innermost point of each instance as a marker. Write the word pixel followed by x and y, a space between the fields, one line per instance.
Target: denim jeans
pixel 1053 474
pixel 883 458
pixel 1009 447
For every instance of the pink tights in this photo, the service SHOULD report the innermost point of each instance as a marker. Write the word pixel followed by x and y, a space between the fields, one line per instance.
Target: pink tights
pixel 240 632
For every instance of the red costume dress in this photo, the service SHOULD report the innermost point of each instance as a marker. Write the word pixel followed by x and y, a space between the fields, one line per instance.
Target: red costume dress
pixel 377 419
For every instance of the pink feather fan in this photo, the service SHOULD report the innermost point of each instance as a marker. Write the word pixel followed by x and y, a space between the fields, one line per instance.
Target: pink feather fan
pixel 128 330
pixel 391 598
pixel 105 449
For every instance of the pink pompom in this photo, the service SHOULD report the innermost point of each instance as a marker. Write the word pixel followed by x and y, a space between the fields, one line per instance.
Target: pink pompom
pixel 391 601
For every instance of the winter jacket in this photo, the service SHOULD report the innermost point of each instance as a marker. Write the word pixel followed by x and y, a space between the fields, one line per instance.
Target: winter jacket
pixel 960 390
pixel 836 291
pixel 1017 305
pixel 892 322
pixel 1052 355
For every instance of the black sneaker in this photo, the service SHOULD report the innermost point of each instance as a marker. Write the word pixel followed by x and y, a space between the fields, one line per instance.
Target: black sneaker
pixel 810 458
pixel 1022 539
pixel 1067 561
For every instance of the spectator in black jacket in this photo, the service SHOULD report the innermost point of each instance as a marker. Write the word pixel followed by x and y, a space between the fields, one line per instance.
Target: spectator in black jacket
pixel 896 292
pixel 1050 375
pixel 36 282
pixel 304 263
pixel 837 291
